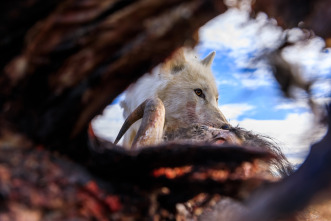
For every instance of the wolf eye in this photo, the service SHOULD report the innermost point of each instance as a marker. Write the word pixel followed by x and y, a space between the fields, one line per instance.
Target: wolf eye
pixel 199 92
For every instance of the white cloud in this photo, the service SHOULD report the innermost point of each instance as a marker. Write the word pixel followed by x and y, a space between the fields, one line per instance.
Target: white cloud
pixel 109 123
pixel 226 82
pixel 302 103
pixel 292 105
pixel 234 30
pixel 308 53
pixel 224 32
pixel 245 38
pixel 253 80
pixel 233 111
pixel 254 83
pixel 322 101
pixel 313 64
pixel 295 133
pixel 322 88
pixel 295 34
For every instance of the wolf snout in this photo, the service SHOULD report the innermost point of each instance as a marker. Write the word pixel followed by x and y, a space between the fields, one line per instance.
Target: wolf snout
pixel 221 136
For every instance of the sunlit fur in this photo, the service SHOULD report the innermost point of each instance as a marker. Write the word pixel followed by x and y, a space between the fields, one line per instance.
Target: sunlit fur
pixel 174 83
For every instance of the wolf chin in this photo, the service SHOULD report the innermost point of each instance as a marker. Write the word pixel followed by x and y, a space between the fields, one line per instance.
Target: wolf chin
pixel 187 88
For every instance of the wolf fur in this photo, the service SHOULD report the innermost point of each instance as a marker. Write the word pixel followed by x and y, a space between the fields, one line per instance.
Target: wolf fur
pixel 175 82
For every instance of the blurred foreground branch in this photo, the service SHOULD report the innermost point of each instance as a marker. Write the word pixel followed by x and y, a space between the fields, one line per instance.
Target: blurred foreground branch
pixel 64 61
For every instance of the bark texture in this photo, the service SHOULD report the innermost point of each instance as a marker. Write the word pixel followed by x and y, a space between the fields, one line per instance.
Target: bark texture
pixel 63 61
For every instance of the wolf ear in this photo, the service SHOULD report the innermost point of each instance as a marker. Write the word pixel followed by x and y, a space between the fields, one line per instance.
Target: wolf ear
pixel 176 63
pixel 207 61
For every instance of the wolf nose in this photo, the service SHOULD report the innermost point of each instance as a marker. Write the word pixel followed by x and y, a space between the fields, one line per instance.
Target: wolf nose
pixel 225 127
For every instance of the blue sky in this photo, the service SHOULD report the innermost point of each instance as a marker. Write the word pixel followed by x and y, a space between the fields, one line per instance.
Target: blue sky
pixel 249 96
pixel 265 97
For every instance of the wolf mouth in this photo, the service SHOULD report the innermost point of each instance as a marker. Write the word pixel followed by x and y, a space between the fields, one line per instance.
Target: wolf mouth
pixel 220 141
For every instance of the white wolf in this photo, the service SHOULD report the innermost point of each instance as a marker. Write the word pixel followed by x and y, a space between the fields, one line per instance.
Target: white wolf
pixel 186 87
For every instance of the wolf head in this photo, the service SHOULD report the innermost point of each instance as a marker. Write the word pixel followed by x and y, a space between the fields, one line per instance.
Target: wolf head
pixel 190 94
